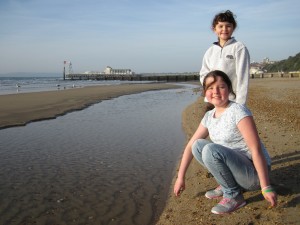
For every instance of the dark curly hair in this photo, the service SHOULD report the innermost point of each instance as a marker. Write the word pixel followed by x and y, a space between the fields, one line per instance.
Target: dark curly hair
pixel 226 16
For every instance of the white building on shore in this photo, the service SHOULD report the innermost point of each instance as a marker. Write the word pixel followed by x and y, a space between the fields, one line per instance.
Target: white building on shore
pixel 256 68
pixel 267 61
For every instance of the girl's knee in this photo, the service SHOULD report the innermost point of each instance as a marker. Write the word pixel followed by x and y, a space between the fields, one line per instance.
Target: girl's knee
pixel 197 146
pixel 195 150
pixel 206 153
pixel 210 152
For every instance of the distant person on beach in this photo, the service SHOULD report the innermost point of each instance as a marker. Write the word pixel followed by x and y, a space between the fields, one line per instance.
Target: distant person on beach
pixel 235 156
pixel 228 55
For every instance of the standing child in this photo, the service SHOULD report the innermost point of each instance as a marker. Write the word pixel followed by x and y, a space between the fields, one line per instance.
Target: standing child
pixel 228 55
pixel 235 155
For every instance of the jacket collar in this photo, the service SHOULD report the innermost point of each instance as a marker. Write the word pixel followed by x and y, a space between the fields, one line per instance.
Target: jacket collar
pixel 230 41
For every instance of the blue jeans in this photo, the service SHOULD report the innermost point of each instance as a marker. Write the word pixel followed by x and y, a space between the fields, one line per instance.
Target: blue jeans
pixel 231 169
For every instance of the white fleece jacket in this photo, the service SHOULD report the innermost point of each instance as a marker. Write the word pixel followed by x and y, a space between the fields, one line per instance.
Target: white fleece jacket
pixel 234 60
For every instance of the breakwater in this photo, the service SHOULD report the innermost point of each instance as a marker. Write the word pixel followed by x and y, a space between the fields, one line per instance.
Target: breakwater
pixel 276 75
pixel 167 77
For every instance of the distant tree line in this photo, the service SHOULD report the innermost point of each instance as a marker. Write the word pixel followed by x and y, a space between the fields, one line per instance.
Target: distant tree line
pixel 286 65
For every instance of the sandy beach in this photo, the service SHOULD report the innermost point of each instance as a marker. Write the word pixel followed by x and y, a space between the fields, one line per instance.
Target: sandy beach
pixel 275 105
pixel 21 109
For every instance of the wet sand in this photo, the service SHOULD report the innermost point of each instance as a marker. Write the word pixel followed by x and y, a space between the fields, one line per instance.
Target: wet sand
pixel 275 105
pixel 20 109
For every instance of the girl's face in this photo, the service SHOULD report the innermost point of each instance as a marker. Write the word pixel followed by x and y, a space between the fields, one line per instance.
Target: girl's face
pixel 224 31
pixel 217 93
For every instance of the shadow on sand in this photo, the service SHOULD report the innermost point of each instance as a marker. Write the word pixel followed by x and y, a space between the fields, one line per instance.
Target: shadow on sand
pixel 285 179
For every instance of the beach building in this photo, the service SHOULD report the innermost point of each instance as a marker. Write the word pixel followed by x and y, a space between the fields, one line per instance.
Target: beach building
pixel 256 68
pixel 110 71
pixel 268 61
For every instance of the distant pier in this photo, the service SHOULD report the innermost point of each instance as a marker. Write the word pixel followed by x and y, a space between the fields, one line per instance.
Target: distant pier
pixel 166 77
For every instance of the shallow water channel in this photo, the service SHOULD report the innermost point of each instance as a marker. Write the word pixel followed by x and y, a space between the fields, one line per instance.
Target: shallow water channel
pixel 111 163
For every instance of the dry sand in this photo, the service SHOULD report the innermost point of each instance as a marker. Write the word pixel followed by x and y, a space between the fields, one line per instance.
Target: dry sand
pixel 20 109
pixel 275 105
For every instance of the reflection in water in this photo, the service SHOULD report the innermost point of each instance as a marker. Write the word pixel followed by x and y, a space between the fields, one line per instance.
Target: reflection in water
pixel 111 163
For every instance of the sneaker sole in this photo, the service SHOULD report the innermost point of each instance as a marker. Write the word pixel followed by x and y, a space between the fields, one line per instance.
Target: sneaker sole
pixel 213 197
pixel 239 206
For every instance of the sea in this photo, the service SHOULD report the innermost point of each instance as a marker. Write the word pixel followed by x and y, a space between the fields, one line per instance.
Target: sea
pixel 111 163
pixel 14 85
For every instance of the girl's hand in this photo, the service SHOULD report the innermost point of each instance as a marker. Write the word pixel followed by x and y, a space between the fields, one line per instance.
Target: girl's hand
pixel 179 187
pixel 271 197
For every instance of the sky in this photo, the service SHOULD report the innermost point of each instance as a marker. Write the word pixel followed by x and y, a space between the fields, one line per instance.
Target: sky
pixel 142 35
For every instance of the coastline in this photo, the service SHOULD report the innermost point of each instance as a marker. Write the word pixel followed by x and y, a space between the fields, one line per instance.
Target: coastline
pixel 21 109
pixel 275 106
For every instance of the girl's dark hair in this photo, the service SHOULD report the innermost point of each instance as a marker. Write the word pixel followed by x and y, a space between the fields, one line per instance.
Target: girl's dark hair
pixel 226 16
pixel 214 74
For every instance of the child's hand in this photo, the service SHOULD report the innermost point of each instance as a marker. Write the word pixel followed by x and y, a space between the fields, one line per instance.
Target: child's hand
pixel 179 187
pixel 271 197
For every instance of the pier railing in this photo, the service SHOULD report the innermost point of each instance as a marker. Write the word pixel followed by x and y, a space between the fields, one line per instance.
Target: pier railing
pixel 276 75
pixel 167 77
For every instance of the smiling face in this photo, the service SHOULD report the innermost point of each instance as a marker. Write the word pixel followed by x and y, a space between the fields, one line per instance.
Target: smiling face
pixel 224 31
pixel 217 92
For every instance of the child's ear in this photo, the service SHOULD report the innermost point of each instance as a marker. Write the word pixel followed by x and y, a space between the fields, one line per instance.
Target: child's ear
pixel 214 30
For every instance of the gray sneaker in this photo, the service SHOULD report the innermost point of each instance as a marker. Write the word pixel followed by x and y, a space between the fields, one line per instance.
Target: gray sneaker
pixel 228 205
pixel 215 193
